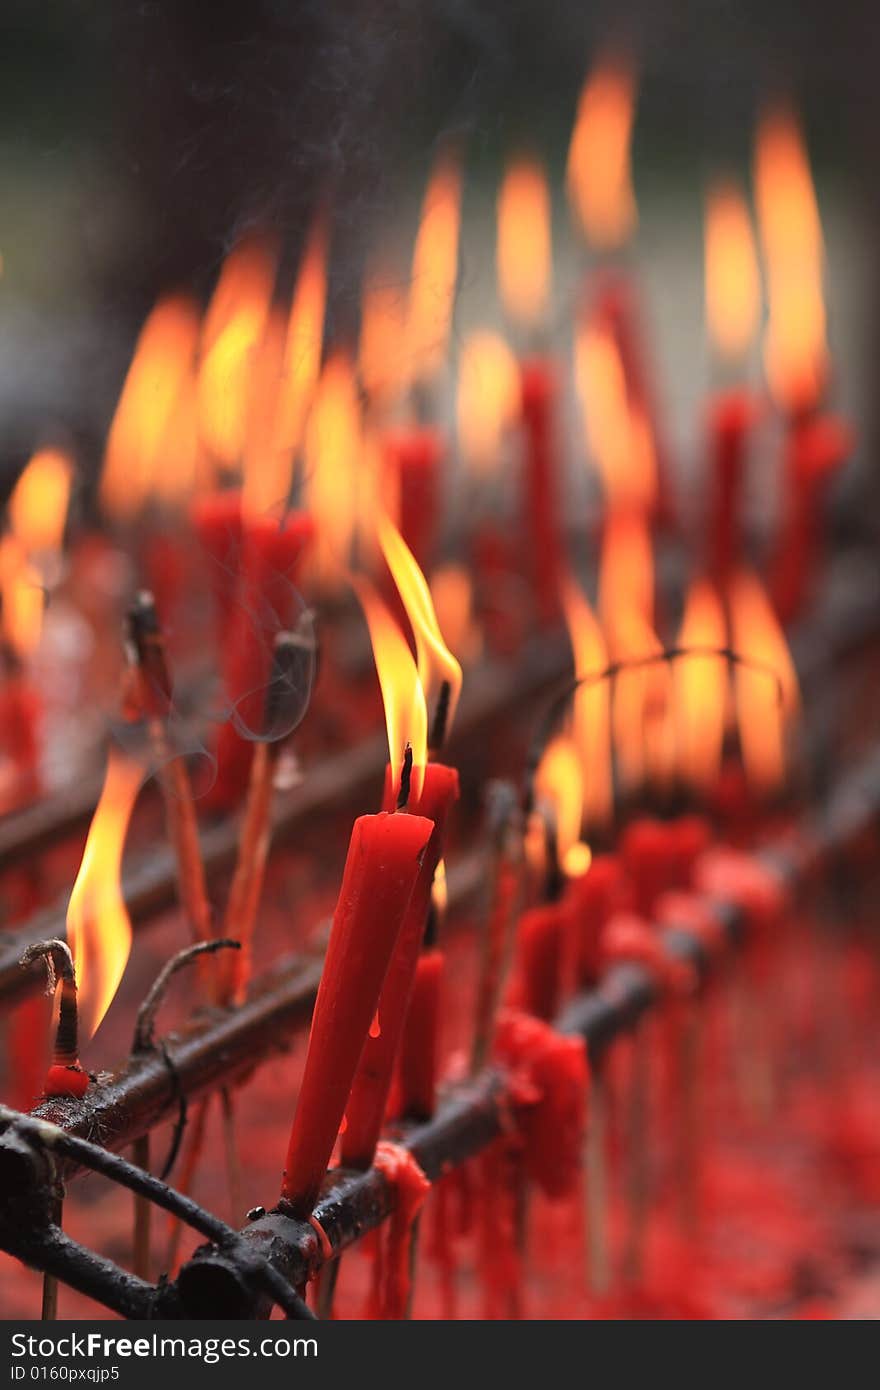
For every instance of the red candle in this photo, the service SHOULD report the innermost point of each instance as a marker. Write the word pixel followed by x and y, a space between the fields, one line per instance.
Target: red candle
pixel 648 855
pixel 537 981
pixel 216 520
pixel 589 901
pixel 731 417
pixel 412 461
pixel 383 866
pixel 417 1064
pixel 541 537
pixel 367 1104
pixel 816 449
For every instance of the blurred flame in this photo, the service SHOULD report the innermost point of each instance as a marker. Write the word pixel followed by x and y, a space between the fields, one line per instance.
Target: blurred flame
pixel 182 468
pixel 98 928
pixel 701 688
pixel 559 784
pixel 381 350
pixel 303 345
pixel 524 250
pixel 21 598
pixel 757 636
pixel 618 431
pixel 732 286
pixel 332 452
pixel 626 567
pixel 406 715
pixel 233 330
pixel 453 594
pixel 38 505
pixel 159 370
pixel 267 465
pixel 440 889
pixel 436 664
pixel 591 706
pixel 598 173
pixel 795 349
pixel 434 272
pixel 487 400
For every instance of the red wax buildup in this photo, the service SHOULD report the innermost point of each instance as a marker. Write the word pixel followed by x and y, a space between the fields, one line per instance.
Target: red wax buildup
pixel 588 902
pixel 628 937
pixel 540 942
pixel 64 1080
pixel 411 1188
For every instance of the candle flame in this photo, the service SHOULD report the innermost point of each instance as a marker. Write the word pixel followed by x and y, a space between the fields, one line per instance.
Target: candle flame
pixel 488 399
pixel 732 284
pixel 618 431
pixel 434 273
pixel 591 706
pixel 626 567
pixel 437 667
pixel 38 505
pixel 139 432
pixel 267 465
pixel 598 173
pixel 381 348
pixel 332 451
pixel 21 598
pixel 406 716
pixel 302 349
pixel 701 688
pixel 559 784
pixel 98 927
pixel 795 349
pixel 440 889
pixel 762 717
pixel 524 249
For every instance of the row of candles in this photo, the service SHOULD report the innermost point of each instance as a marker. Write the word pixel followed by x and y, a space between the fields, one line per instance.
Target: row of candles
pixel 227 415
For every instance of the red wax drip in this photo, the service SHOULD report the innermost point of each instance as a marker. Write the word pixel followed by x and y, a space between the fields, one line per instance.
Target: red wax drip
pixel 417 1060
pixel 648 855
pixel 541 531
pixel 588 902
pixel 412 459
pixel 391 1295
pixel 731 417
pixel 816 449
pixel 537 981
pixel 66 1081
pixel 381 870
pixel 367 1105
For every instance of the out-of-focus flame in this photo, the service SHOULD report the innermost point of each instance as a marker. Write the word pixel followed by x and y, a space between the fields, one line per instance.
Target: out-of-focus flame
pixel 524 247
pixel 302 349
pixel 559 785
pixel 267 464
pixel 332 454
pixel 159 371
pixel 182 468
pixel 761 716
pixel 598 174
pixel 453 593
pixel 701 688
pixel 234 326
pixel 382 345
pixel 38 505
pixel 487 399
pixel 626 568
pixel 406 715
pixel 618 430
pixel 733 289
pixel 98 927
pixel 795 348
pixel 21 598
pixel 437 666
pixel 591 705
pixel 440 889
pixel 434 273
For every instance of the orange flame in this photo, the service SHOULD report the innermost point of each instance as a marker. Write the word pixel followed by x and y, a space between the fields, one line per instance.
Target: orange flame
pixel 302 350
pixel 267 465
pixel 453 593
pixel 591 707
pixel 332 454
pixel 524 251
pixel 626 568
pixel 381 350
pixel 559 784
pixel 487 399
pixel 598 173
pixel 434 273
pixel 440 889
pixel 38 505
pixel 182 467
pixel 98 928
pixel 761 715
pixel 619 434
pixel 406 715
pixel 436 664
pixel 162 360
pixel 701 688
pixel 795 349
pixel 233 329
pixel 21 598
pixel 732 286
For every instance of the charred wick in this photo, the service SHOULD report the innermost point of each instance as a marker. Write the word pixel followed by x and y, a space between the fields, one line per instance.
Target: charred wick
pixel 61 974
pixel 405 779
pixel 437 735
pixel 146 647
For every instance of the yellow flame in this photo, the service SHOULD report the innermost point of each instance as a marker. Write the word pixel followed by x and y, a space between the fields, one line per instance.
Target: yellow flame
pixel 733 289
pixel 38 505
pixel 762 720
pixel 98 927
pixel 182 468
pixel 598 174
pixel 795 347
pixel 524 249
pixel 591 706
pixel 382 347
pixel 701 688
pixel 302 349
pixel 453 593
pixel 559 783
pixel 487 399
pixel 162 360
pixel 332 451
pixel 440 889
pixel 406 715
pixel 233 329
pixel 619 433
pixel 21 598
pixel 626 568
pixel 434 273
pixel 436 664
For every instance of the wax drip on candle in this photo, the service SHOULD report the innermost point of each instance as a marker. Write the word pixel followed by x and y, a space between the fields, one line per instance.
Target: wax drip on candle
pixel 65 1076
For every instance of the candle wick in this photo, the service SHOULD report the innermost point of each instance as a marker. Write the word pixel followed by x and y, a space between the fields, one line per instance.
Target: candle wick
pixel 441 718
pixel 405 778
